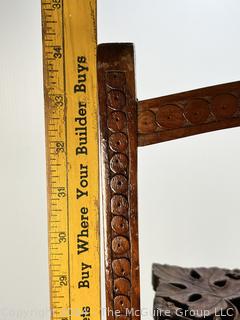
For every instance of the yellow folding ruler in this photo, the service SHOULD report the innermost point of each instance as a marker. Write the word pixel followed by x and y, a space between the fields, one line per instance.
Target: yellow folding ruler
pixel 69 56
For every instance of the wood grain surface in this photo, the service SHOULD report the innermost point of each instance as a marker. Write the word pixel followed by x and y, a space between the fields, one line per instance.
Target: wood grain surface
pixel 188 113
pixel 118 142
pixel 126 124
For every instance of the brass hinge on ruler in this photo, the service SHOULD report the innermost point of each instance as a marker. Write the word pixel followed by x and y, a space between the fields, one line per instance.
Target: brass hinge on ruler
pixel 69 53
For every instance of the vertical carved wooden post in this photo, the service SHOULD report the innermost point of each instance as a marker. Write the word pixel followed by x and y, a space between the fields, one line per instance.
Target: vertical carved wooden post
pixel 118 138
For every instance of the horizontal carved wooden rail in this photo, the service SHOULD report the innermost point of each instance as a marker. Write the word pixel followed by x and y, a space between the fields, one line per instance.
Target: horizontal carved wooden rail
pixel 189 113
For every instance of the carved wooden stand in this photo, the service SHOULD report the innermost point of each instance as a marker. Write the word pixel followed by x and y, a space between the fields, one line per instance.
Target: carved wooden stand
pixel 126 124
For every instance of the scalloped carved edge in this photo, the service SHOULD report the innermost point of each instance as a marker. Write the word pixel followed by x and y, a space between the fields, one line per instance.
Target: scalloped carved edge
pixel 118 138
pixel 189 113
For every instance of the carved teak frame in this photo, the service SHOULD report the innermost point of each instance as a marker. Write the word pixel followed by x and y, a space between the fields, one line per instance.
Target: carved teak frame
pixel 126 124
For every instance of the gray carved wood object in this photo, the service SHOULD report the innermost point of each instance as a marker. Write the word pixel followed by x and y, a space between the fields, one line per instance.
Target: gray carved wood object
pixel 190 293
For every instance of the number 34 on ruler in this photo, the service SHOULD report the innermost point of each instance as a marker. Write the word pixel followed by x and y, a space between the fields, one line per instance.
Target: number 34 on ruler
pixel 69 53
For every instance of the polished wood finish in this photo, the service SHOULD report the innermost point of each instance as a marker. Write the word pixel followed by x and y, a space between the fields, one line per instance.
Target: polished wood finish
pixel 118 138
pixel 126 124
pixel 188 113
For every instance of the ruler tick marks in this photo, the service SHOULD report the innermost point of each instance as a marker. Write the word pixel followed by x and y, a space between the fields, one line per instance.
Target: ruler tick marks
pixel 60 63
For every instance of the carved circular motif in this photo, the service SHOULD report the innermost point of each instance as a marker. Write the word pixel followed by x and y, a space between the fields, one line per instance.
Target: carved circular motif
pixel 119 205
pixel 146 122
pixel 121 304
pixel 119 184
pixel 122 286
pixel 170 116
pixel 116 99
pixel 116 79
pixel 118 142
pixel 119 224
pixel 224 105
pixel 121 267
pixel 120 245
pixel 117 121
pixel 119 163
pixel 197 111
